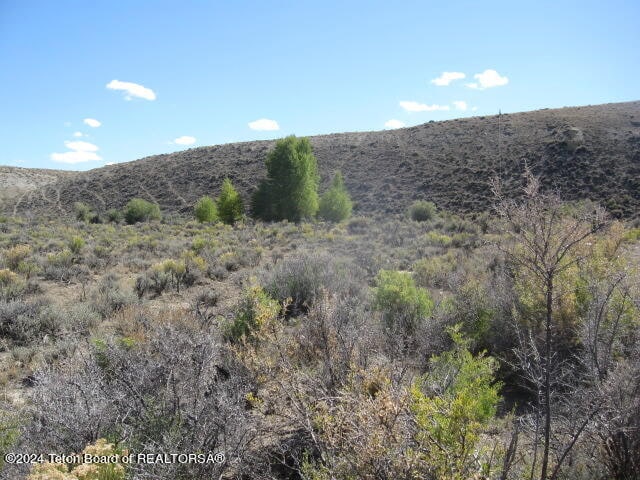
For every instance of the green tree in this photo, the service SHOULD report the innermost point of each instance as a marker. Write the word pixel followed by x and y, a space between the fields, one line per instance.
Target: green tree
pixel 335 204
pixel 205 210
pixel 453 404
pixel 290 190
pixel 139 210
pixel 230 207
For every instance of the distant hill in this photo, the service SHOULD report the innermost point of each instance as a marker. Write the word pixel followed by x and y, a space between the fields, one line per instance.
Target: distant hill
pixel 582 152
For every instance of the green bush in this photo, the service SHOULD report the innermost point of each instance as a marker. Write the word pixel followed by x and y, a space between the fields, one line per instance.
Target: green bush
pixel 205 210
pixel 255 310
pixel 422 211
pixel 85 213
pixel 335 204
pixel 114 215
pixel 76 244
pixel 453 405
pixel 290 190
pixel 403 305
pixel 139 210
pixel 230 207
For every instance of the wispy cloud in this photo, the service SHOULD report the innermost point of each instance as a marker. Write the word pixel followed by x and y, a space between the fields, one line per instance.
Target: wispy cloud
pixel 447 77
pixel 185 140
pixel 79 152
pixel 393 123
pixel 77 134
pixel 92 122
pixel 488 79
pixel 264 124
pixel 422 107
pixel 132 90
pixel 460 105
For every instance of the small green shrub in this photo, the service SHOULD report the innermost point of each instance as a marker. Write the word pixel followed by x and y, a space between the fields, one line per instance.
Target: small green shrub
pixel 85 213
pixel 114 215
pixel 76 244
pixel 453 405
pixel 253 312
pixel 140 210
pixel 421 211
pixel 230 207
pixel 335 204
pixel 11 285
pixel 403 305
pixel 15 255
pixel 205 210
pixel 435 271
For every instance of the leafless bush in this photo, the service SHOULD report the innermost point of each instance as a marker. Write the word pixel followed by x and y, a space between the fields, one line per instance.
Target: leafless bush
pixel 175 391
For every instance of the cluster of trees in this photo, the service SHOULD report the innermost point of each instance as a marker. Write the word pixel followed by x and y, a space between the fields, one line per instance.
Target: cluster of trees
pixel 290 190
pixel 228 208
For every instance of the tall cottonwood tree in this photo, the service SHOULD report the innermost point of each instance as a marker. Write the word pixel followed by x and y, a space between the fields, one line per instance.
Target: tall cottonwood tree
pixel 290 190
pixel 544 237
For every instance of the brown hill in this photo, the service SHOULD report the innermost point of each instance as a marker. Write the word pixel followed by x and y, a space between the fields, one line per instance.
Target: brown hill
pixel 582 152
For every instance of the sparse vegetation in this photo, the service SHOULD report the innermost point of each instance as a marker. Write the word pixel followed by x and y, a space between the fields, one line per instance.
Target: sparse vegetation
pixel 379 347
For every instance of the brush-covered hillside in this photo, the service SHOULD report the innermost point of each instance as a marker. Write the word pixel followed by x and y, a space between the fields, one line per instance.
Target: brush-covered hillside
pixel 582 152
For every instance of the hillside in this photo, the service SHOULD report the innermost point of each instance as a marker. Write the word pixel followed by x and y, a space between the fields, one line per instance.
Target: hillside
pixel 16 184
pixel 583 152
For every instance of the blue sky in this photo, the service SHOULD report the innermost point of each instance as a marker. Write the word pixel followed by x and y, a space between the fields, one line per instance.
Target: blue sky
pixel 194 73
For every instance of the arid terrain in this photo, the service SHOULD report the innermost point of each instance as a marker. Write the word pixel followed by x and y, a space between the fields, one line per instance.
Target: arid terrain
pixel 486 335
pixel 581 152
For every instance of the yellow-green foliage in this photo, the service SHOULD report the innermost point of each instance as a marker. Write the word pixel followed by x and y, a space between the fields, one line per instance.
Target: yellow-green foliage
pixel 11 285
pixel 75 244
pixel 15 255
pixel 400 301
pixel 83 471
pixel 229 203
pixel 254 312
pixel 205 210
pixel 60 259
pixel 433 271
pixel 453 404
pixel 440 239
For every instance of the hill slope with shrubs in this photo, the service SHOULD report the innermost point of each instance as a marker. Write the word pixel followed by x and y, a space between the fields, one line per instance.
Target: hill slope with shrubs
pixel 582 152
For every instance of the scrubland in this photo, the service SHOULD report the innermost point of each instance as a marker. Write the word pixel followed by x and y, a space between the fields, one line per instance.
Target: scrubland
pixel 380 347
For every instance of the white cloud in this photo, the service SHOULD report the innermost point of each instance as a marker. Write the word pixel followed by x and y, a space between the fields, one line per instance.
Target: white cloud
pixel 393 123
pixel 185 140
pixel 460 105
pixel 92 122
pixel 77 134
pixel 488 79
pixel 421 107
pixel 81 146
pixel 110 163
pixel 78 152
pixel 75 157
pixel 447 77
pixel 264 124
pixel 132 90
